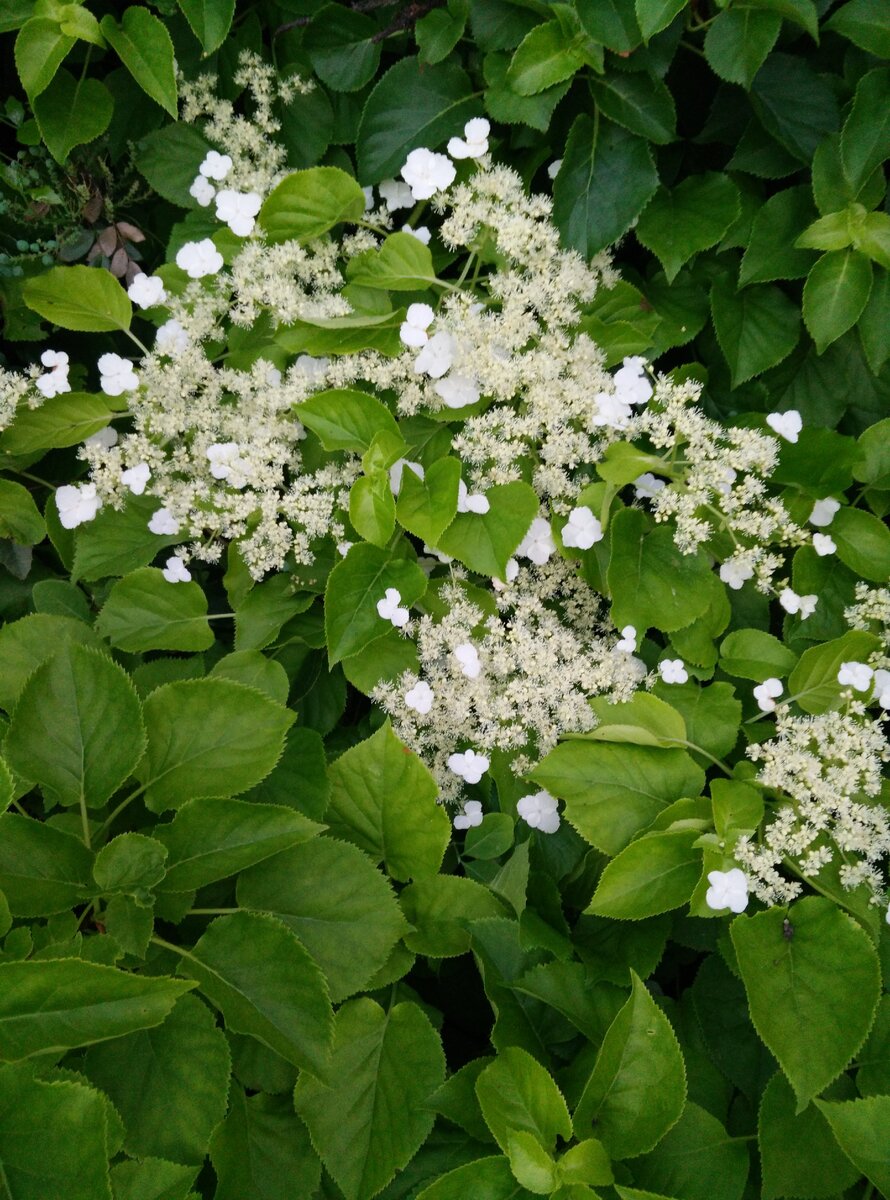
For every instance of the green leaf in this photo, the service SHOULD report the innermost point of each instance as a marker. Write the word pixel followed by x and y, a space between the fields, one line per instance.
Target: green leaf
pixel 484 541
pixel 831 232
pixel 516 1093
pixel 118 541
pixel 345 419
pixel 794 104
pixel 210 20
pixel 343 335
pixel 862 22
pixel 340 907
pixel 638 102
pixel 439 31
pixel 412 105
pixel 426 507
pixel 613 23
pixel 253 969
pixel 169 1083
pixel 267 607
pixel 52 1138
pixel 545 57
pixel 643 720
pixel 253 669
pixel 655 15
pixel 530 1163
pixel 813 682
pixel 756 327
pixel 70 112
pixel 27 643
pixel 208 737
pixel 863 543
pixel 440 907
pixel 383 1063
pixel 144 47
pixel 42 870
pixel 858 1126
pixel 262 1150
pixel 712 714
pixel 484 1179
pixel 622 322
pixel 59 1004
pixel 85 299
pixel 637 1089
pixel 77 727
pixel 654 874
pixel 865 139
pixel 606 179
pixel 372 508
pixel 130 923
pixel 152 1179
pixel 209 840
pixel 59 421
pixel 169 159
pixel 771 253
pixel 341 47
pixel 676 225
pixel 19 517
pixel 696 1159
pixel 384 800
pixel 812 998
pixel 835 294
pixel 738 42
pixel 402 264
pixel 817 1166
pixel 354 587
pixel 873 463
pixel 753 654
pixel 308 203
pixel 145 612
pixel 614 792
pixel 503 104
pixel 652 584
pixel 128 863
pixel 40 49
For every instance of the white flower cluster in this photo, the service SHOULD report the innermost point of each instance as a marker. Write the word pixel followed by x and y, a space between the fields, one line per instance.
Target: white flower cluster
pixel 826 771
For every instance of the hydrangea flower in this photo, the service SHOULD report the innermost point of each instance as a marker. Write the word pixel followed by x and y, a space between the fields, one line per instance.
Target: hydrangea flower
pixel 104 439
pixel 786 424
pixel 422 233
pixel 163 522
pixel 824 543
pixel 226 463
pixel 729 889
pixel 735 573
pixel 437 355
pixel 673 670
pixel 582 529
pixel 457 390
pixel 413 330
pixel 855 675
pixel 648 485
pixel 538 543
pixel 55 381
pixel 77 505
pixel 468 657
pixel 171 338
pixel 470 766
pixel 882 688
pixel 238 210
pixel 147 290
pixel 136 478
pixel 767 693
pixel 215 165
pixel 471 502
pixel 804 606
pixel 628 641
pixel 420 697
pixel 474 143
pixel 470 815
pixel 202 190
pixel 539 810
pixel 611 411
pixel 427 173
pixel 553 168
pixel 176 571
pixel 395 473
pixel 823 511
pixel 116 375
pixel 632 384
pixel 313 368
pixel 199 259
pixel 389 608
pixel 396 194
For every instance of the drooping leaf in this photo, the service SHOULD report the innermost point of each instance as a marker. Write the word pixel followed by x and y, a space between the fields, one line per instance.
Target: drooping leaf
pixel 210 20
pixel 144 47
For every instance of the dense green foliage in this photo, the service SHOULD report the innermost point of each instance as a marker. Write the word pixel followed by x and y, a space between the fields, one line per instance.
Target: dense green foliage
pixel 244 955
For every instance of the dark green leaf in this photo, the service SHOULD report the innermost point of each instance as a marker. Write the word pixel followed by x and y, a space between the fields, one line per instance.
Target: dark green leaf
pixel 42 869
pixel 756 327
pixel 675 225
pixel 144 47
pixel 210 20
pixel 770 252
pixel 638 102
pixel 340 47
pixel 262 1150
pixel 739 40
pixel 71 111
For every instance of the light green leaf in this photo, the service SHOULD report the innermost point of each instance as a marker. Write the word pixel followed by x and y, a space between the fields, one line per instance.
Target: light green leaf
pixel 696 1159
pixel 530 1163
pixel 208 737
pixel 545 57
pixel 402 264
pixel 59 1004
pixel 85 299
pixel 643 720
pixel 169 1083
pixel 484 1179
pixel 144 47
pixel 831 232
pixel 676 225
pixel 614 792
pixel 637 1089
pixel 383 1063
pixel 338 905
pixel 345 419
pixel 42 870
pixel 209 840
pixel 484 541
pixel 341 46
pixel 835 294
pixel 27 643
pixel 656 873
pixel 863 543
pixel 372 508
pixel 355 586
pixel 255 670
pixel 753 654
pixel 756 327
pixel 210 20
pixel 813 998
pixel 813 682
pixel 817 1166
pixel 70 112
pixel 859 1126
pixel 383 799
pixel 739 40
pixel 77 727
pixel 59 421
pixel 145 612
pixel 129 862
pixel 308 203
pixel 40 49
pixel 266 985
pixel 262 1150
pixel 516 1093
pixel 426 507
pixel 440 907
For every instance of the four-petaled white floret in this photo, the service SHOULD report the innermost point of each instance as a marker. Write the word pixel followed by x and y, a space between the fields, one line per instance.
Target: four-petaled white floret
pixel 427 173
pixel 855 675
pixel 672 670
pixel 786 424
pixel 418 319
pixel 469 765
pixel 389 608
pixel 147 290
pixel 582 529
pixel 238 210
pixel 729 889
pixel 539 810
pixel 199 259
pixel 538 543
pixel 116 375
pixel 176 571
